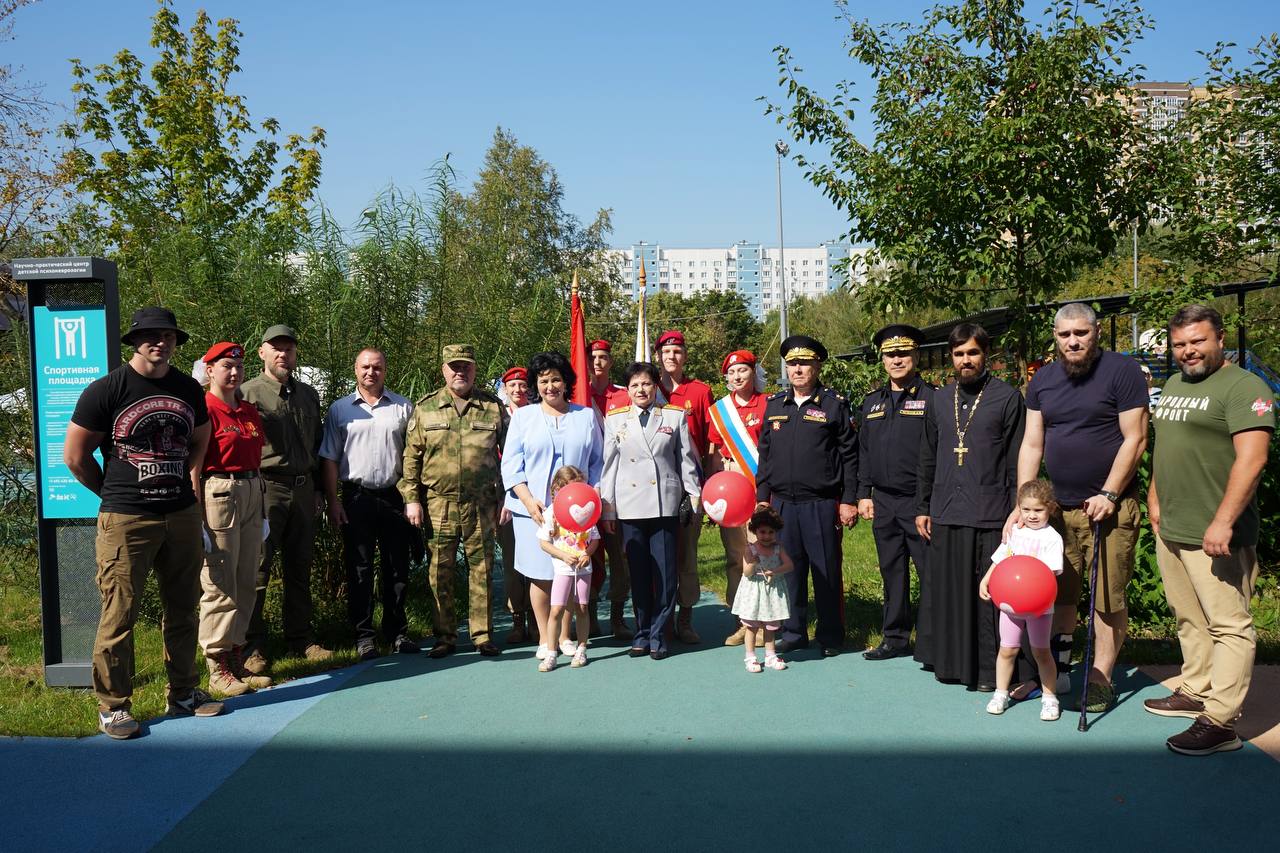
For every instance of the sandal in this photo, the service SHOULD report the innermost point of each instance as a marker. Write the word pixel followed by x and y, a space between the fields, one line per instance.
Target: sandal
pixel 775 662
pixel 753 665
pixel 547 664
pixel 579 657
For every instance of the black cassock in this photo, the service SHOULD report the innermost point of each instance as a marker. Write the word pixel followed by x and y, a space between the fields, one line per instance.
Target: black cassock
pixel 968 496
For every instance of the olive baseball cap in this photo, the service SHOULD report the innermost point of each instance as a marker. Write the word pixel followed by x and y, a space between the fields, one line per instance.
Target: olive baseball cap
pixel 279 330
pixel 459 352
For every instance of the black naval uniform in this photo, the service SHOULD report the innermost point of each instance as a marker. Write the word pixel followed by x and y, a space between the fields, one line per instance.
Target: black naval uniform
pixel 969 504
pixel 891 426
pixel 809 465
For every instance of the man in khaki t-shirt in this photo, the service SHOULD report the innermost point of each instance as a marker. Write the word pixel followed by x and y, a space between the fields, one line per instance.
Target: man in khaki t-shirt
pixel 1213 432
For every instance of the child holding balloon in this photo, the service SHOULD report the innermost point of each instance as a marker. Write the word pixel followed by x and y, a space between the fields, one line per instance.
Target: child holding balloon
pixel 761 601
pixel 571 586
pixel 1034 539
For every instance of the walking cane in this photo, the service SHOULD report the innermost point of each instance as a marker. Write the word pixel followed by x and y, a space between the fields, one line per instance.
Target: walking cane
pixel 1083 725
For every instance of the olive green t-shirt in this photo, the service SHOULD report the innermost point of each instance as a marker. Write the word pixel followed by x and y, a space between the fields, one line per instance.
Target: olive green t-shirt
pixel 1194 423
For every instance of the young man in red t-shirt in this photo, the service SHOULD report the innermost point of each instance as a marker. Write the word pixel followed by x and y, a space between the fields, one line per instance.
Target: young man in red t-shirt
pixel 695 398
pixel 742 412
pixel 605 397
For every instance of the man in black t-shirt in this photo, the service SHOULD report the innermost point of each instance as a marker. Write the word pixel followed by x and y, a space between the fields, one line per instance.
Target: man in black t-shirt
pixel 151 423
pixel 1087 418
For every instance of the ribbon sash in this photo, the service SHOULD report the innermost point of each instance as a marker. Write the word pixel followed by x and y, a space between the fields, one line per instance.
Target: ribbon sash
pixel 724 414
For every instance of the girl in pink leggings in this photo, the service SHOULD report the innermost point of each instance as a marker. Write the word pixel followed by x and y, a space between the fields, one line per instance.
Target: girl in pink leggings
pixel 1034 539
pixel 571 585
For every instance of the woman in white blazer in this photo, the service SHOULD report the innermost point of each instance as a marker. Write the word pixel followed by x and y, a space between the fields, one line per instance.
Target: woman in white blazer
pixel 542 438
pixel 649 470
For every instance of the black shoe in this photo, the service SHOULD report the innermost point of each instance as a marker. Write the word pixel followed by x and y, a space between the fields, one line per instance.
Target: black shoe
pixel 784 646
pixel 441 650
pixel 659 654
pixel 1205 737
pixel 366 650
pixel 488 649
pixel 405 646
pixel 637 652
pixel 883 652
pixel 831 651
pixel 985 687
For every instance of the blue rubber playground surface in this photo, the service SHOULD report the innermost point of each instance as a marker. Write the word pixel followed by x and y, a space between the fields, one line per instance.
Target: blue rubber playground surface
pixel 690 753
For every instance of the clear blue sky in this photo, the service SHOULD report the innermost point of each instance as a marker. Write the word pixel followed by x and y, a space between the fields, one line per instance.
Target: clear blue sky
pixel 646 108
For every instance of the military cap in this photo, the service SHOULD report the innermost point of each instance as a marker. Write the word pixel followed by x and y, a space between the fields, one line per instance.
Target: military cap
pixel 898 337
pixel 279 330
pixel 803 348
pixel 600 345
pixel 225 349
pixel 738 356
pixel 515 373
pixel 670 336
pixel 459 352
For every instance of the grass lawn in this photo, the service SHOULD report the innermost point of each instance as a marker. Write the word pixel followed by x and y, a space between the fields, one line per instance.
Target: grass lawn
pixel 29 708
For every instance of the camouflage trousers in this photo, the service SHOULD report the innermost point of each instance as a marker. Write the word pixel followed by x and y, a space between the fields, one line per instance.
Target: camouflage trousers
pixel 471 526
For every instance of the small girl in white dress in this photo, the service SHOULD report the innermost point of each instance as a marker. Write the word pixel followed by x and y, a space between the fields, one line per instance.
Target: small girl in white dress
pixel 761 601
pixel 571 585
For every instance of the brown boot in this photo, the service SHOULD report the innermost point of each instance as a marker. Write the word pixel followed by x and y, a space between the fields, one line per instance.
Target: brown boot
pixel 222 679
pixel 617 624
pixel 256 662
pixel 242 672
pixel 737 638
pixel 684 627
pixel 517 635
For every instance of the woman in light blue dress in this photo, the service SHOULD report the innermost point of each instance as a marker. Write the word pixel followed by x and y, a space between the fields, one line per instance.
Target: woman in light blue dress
pixel 543 437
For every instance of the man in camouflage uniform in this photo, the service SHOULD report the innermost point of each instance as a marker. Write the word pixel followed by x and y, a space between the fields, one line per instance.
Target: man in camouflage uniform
pixel 451 464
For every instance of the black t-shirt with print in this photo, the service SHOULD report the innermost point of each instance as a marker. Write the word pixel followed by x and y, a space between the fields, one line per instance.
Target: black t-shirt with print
pixel 147 424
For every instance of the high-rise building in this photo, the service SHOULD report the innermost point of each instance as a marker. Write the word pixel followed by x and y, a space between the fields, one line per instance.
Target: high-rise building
pixel 750 269
pixel 1161 105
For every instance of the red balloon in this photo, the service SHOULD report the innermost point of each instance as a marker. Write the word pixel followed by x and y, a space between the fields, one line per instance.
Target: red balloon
pixel 577 507
pixel 728 499
pixel 1023 586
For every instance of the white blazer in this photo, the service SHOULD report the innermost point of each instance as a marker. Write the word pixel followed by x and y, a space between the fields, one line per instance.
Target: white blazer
pixel 528 455
pixel 647 471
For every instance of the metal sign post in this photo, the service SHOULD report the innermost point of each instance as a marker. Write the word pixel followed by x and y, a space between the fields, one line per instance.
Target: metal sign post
pixel 73 322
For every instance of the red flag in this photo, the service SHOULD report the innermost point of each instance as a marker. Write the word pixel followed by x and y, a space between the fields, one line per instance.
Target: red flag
pixel 580 393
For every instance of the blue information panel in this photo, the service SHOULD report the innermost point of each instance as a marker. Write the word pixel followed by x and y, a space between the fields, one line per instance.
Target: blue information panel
pixel 70 352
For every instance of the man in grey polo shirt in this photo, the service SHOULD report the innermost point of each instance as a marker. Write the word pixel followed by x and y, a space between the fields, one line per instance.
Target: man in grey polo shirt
pixel 363 450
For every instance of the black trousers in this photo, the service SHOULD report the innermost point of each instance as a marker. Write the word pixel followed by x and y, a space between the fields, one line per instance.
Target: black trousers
pixel 650 546
pixel 811 535
pixel 896 542
pixel 375 520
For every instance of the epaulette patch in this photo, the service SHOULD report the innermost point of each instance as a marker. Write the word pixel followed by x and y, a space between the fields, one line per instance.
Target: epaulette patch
pixel 619 411
pixel 673 408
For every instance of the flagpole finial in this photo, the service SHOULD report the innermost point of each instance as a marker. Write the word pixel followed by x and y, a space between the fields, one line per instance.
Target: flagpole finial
pixel 575 281
pixel 642 276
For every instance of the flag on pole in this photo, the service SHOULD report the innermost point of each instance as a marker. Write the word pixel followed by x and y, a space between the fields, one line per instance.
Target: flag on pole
pixel 580 393
pixel 642 327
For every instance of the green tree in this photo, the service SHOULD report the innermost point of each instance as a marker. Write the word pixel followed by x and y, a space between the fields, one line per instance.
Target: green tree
pixel 200 205
pixel 1003 153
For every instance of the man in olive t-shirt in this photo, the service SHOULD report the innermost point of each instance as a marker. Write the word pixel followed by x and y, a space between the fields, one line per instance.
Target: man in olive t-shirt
pixel 1213 432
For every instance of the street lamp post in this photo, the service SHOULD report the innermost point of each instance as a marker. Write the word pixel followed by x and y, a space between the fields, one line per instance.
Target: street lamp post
pixel 783 150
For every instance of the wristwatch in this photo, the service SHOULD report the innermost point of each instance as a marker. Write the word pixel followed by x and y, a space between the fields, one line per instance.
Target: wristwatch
pixel 1111 496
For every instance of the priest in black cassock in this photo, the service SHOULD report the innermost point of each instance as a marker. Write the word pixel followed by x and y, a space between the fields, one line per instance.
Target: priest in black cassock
pixel 965 487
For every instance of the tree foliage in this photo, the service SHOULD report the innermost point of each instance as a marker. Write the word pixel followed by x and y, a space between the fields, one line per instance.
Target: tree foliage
pixel 187 187
pixel 1004 157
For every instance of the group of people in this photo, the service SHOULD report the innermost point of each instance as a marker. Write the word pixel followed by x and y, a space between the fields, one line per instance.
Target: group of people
pixel 950 479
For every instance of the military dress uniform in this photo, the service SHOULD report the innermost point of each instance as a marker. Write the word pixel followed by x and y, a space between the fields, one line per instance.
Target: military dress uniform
pixel 649 466
pixel 891 424
pixel 451 467
pixel 808 466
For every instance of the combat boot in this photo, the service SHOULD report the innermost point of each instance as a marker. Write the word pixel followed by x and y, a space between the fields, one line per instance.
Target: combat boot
pixel 517 635
pixel 617 624
pixel 222 678
pixel 242 672
pixel 684 627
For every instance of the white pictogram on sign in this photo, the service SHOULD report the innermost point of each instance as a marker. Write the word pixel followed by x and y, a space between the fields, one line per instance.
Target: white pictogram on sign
pixel 69 338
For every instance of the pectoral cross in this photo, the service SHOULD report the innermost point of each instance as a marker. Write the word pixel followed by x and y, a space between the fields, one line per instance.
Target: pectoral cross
pixel 960 452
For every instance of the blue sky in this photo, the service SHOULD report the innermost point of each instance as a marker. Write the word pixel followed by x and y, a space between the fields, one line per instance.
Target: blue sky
pixel 649 109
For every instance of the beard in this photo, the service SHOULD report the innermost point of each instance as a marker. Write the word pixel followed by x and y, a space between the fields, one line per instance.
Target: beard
pixel 1075 370
pixel 1206 366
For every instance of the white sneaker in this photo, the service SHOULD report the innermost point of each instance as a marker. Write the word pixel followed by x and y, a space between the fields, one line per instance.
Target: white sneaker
pixel 568 647
pixel 1050 710
pixel 999 702
pixel 542 652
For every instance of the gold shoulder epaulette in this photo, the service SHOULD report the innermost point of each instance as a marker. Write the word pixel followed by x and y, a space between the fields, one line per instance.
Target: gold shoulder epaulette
pixel 674 407
pixel 618 411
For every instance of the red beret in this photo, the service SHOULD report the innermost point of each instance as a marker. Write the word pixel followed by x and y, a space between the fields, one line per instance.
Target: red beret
pixel 599 345
pixel 226 349
pixel 670 337
pixel 738 356
pixel 515 373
